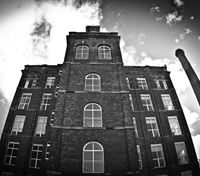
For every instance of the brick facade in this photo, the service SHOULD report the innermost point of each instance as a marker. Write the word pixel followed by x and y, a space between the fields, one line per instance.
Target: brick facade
pixel 65 134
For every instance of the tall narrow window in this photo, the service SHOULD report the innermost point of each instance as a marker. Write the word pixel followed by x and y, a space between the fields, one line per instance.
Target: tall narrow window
pixel 52 118
pixel 131 101
pixel 45 101
pixel 152 126
pixel 25 101
pixel 93 158
pixel 181 153
pixel 47 151
pixel 11 153
pixel 31 83
pixel 167 102
pixel 135 127
pixel 36 156
pixel 92 82
pixel 174 125
pixel 50 82
pixel 142 83
pixel 18 124
pixel 82 52
pixel 104 52
pixel 139 157
pixel 146 102
pixel 157 155
pixel 92 115
pixel 41 126
pixel 161 84
pixel 130 82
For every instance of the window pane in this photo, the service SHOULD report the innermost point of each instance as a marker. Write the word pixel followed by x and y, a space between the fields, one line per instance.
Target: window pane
pixel 88 156
pixel 98 156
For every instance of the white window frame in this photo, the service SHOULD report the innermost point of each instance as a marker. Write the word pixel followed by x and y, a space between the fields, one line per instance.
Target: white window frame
pixel 131 101
pixel 185 159
pixel 158 84
pixel 45 103
pixel 99 149
pixel 41 126
pixel 139 157
pixel 153 123
pixel 18 124
pixel 25 101
pixel 174 125
pixel 146 98
pixel 30 83
pixel 142 83
pixel 94 84
pixel 50 81
pixel 167 102
pixel 11 146
pixel 82 52
pixel 135 127
pixel 104 52
pixel 36 159
pixel 158 148
pixel 92 118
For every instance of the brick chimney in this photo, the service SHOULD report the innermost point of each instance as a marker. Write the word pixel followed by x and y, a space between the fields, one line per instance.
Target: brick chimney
pixel 194 80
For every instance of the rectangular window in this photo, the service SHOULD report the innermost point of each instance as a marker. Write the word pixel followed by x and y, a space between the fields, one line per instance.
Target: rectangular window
pixel 50 82
pixel 25 101
pixel 146 102
pixel 157 155
pixel 186 173
pixel 131 101
pixel 135 127
pixel 30 83
pixel 45 101
pixel 139 157
pixel 36 156
pixel 142 83
pixel 41 126
pixel 161 84
pixel 52 118
pixel 130 82
pixel 11 153
pixel 181 153
pixel 18 124
pixel 152 126
pixel 47 151
pixel 174 125
pixel 167 102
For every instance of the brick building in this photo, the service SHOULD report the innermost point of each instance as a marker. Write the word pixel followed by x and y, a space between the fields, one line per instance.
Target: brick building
pixel 92 115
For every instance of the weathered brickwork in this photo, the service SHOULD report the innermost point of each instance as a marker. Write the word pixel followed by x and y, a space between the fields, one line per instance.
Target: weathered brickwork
pixel 119 98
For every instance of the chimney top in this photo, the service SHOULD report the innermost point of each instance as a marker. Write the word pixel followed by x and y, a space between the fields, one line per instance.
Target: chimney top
pixel 179 52
pixel 92 28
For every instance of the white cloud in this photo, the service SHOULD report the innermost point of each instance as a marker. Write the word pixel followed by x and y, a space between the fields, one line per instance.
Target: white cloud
pixel 16 47
pixel 154 9
pixel 173 18
pixel 178 3
pixel 191 117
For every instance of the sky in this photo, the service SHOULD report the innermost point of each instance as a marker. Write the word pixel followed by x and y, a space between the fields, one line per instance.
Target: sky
pixel 34 32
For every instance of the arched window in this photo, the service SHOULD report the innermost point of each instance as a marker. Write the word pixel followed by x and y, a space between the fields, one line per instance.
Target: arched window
pixel 93 158
pixel 104 52
pixel 82 52
pixel 92 82
pixel 92 115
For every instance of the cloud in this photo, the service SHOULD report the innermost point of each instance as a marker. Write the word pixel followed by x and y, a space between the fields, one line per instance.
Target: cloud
pixel 154 10
pixel 179 3
pixel 173 18
pixel 32 33
pixel 186 32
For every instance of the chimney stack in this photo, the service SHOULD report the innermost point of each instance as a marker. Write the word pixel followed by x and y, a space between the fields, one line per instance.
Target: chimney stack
pixel 194 80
